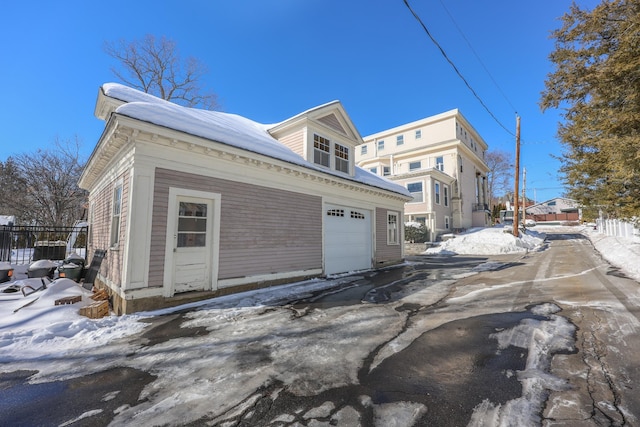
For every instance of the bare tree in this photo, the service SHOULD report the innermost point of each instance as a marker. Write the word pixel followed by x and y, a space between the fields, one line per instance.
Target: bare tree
pixel 499 176
pixel 44 186
pixel 154 66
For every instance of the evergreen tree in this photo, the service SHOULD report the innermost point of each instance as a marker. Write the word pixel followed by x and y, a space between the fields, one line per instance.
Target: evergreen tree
pixel 596 81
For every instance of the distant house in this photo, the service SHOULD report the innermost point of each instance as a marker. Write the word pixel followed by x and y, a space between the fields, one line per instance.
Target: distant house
pixel 440 160
pixel 557 209
pixel 191 204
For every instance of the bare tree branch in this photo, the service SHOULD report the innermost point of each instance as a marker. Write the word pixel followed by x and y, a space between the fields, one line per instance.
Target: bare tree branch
pixel 153 66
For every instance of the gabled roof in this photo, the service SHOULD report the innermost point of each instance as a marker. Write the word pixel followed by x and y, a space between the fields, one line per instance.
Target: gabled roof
pixel 331 115
pixel 556 205
pixel 225 128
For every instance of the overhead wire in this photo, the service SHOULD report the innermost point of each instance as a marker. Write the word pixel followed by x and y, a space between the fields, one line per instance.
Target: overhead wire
pixel 478 57
pixel 455 68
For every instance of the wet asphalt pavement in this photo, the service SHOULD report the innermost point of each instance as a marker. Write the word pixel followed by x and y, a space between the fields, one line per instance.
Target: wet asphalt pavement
pixel 432 370
pixel 448 369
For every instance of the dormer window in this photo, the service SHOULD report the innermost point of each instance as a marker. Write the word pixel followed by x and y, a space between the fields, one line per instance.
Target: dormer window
pixel 342 158
pixel 321 150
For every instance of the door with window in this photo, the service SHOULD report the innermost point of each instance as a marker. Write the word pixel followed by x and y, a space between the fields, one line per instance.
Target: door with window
pixel 193 244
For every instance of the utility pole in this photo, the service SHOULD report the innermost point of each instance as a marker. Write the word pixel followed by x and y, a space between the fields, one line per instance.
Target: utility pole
pixel 517 176
pixel 524 195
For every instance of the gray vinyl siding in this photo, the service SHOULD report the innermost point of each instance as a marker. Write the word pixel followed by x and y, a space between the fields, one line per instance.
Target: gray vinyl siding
pixel 262 230
pixel 385 252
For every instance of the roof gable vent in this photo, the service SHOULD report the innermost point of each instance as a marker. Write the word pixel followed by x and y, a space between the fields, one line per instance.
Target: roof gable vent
pixel 332 121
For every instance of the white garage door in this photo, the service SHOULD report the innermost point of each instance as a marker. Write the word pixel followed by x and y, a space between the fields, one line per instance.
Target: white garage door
pixel 347 239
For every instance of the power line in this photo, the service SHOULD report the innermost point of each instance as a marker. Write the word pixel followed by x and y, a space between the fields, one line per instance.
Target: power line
pixel 444 54
pixel 478 57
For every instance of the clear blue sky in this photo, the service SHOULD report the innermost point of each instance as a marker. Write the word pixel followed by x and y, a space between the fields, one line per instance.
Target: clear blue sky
pixel 271 59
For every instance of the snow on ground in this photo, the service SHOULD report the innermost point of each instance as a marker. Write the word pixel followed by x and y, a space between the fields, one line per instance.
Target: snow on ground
pixel 489 241
pixel 59 342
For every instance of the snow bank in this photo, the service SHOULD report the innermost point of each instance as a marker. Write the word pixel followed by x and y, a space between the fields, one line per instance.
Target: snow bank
pixel 489 241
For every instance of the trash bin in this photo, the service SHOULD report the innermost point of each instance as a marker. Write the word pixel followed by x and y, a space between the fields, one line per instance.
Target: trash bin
pixel 70 271
pixel 42 268
pixel 74 258
pixel 6 272
pixel 50 249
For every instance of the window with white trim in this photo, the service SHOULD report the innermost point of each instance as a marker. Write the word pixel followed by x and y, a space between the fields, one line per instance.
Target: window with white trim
pixel 436 192
pixel 418 133
pixel 415 188
pixel 374 170
pixel 116 211
pixel 445 193
pixel 342 158
pixel 363 149
pixel 335 212
pixel 321 150
pixel 386 170
pixel 446 222
pixel 393 232
pixel 192 225
pixel 381 145
pixel 413 166
pixel 440 163
pixel 400 140
pixel 357 215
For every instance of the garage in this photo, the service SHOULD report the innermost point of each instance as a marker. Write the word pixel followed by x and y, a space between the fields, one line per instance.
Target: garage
pixel 347 236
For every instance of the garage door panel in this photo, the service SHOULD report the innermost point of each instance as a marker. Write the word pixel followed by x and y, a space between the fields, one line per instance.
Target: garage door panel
pixel 348 239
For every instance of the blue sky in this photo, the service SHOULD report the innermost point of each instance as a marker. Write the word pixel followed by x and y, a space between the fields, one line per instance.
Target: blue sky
pixel 271 59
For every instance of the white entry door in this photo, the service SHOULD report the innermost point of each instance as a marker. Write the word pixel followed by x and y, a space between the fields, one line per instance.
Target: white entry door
pixel 193 243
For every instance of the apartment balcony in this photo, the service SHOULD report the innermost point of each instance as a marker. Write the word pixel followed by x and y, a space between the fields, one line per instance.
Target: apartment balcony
pixel 480 207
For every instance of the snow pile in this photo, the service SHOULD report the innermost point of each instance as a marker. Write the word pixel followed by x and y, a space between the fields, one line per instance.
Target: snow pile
pixel 619 251
pixel 489 241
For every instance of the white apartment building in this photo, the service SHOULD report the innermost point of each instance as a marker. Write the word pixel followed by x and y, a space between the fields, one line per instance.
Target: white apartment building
pixel 440 160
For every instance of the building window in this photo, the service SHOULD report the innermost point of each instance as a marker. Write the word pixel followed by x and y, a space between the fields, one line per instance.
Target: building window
pixel 460 163
pixel 342 158
pixel 335 212
pixel 445 193
pixel 321 150
pixel 437 192
pixel 446 222
pixel 192 225
pixel 413 166
pixel 374 170
pixel 421 220
pixel 357 215
pixel 418 133
pixel 399 139
pixel 393 231
pixel 415 188
pixel 386 170
pixel 381 145
pixel 363 149
pixel 440 163
pixel 115 214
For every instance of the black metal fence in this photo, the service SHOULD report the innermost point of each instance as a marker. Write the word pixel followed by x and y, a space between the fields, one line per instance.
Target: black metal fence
pixel 24 244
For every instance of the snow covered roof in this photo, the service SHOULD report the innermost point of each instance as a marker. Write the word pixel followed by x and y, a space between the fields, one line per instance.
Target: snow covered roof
pixel 230 129
pixel 557 205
